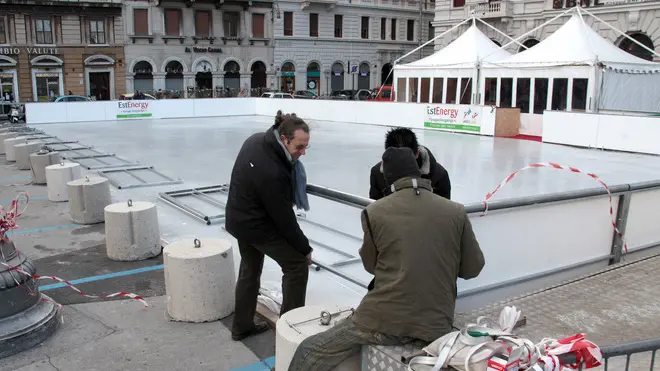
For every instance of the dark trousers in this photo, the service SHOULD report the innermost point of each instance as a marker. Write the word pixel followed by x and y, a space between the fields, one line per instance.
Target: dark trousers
pixel 294 280
pixel 326 350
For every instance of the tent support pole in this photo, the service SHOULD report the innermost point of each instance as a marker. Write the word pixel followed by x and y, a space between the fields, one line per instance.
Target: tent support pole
pixel 621 33
pixel 537 27
pixel 432 40
pixel 502 33
pixel 416 49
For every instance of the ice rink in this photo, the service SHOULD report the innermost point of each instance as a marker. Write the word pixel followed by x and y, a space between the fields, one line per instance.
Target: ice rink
pixel 202 151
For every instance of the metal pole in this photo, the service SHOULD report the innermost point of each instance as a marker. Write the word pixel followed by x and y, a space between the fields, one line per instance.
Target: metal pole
pixel 622 212
pixel 421 20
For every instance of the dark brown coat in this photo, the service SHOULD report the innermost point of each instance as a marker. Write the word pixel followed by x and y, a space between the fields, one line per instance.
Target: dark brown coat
pixel 421 245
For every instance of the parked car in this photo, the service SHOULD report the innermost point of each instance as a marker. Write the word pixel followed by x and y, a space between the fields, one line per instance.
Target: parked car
pixel 129 96
pixel 273 94
pixel 72 98
pixel 386 94
pixel 362 94
pixel 305 94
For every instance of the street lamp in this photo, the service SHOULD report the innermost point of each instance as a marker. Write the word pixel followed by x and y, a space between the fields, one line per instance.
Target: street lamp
pixel 327 81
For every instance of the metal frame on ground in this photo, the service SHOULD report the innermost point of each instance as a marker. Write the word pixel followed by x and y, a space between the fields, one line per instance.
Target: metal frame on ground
pixel 201 193
pixel 129 170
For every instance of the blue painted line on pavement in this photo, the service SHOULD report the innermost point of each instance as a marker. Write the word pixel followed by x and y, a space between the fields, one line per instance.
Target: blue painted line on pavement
pixel 102 277
pixel 264 365
pixel 16 178
pixel 42 229
pixel 31 198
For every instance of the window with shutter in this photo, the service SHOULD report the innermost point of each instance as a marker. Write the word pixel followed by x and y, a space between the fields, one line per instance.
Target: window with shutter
pixel 365 28
pixel 339 25
pixel 393 30
pixel 459 3
pixel 288 23
pixel 141 22
pixel 258 25
pixel 313 25
pixel 172 22
pixel 97 32
pixel 202 23
pixel 231 22
pixel 3 31
pixel 43 31
pixel 383 28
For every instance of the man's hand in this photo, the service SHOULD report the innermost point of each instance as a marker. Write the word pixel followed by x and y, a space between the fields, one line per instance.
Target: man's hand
pixel 309 258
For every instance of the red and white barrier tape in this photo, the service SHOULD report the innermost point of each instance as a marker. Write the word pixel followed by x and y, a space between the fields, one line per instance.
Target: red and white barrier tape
pixel 7 223
pixel 586 353
pixel 560 167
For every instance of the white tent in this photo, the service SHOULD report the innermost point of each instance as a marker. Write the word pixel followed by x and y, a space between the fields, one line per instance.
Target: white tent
pixel 565 72
pixel 447 75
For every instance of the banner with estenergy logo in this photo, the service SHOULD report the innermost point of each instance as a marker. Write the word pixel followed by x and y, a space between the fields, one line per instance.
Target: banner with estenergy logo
pixel 453 117
pixel 128 109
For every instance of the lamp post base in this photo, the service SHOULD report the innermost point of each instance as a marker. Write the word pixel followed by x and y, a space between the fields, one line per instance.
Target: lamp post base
pixel 28 328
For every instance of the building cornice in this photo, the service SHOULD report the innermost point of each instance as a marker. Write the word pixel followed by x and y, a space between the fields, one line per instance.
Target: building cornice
pixel 345 41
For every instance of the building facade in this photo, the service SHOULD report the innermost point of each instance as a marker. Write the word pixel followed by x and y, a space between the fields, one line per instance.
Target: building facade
pixel 49 49
pixel 198 48
pixel 331 45
pixel 639 19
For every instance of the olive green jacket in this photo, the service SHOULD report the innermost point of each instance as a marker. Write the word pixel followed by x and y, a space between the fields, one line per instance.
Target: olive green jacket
pixel 421 244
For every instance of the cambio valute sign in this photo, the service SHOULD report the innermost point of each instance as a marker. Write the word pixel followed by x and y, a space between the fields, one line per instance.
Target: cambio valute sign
pixel 133 109
pixel 453 118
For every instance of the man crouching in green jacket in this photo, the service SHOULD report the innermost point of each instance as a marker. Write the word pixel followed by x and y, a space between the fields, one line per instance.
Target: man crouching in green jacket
pixel 416 244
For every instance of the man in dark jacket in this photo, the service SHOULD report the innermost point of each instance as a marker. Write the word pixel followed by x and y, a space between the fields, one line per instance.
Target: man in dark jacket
pixel 260 215
pixel 416 244
pixel 428 166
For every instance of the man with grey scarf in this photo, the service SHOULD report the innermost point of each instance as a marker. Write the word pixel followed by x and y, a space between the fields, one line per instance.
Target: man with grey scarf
pixel 267 181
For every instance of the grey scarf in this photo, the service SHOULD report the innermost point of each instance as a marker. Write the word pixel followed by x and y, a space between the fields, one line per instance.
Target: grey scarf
pixel 302 202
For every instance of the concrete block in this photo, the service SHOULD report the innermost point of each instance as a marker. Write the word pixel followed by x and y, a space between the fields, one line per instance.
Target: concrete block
pixel 298 324
pixel 23 152
pixel 3 136
pixel 88 198
pixel 199 280
pixel 57 177
pixel 10 150
pixel 131 231
pixel 39 162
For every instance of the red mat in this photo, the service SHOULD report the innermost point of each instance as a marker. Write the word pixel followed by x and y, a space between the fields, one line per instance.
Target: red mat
pixel 528 137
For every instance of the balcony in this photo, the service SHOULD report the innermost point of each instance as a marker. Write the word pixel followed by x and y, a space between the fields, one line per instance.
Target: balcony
pixel 72 3
pixel 489 9
pixel 329 4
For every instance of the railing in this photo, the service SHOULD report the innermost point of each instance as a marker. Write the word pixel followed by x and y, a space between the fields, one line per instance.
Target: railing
pixel 490 9
pixel 584 240
pixel 625 350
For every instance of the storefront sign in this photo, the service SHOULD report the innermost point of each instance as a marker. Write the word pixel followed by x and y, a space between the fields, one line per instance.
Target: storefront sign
pixel 133 109
pixel 12 50
pixel 9 51
pixel 623 2
pixel 203 50
pixel 453 118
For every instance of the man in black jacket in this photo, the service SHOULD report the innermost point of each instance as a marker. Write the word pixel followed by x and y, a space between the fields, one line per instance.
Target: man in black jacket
pixel 260 215
pixel 429 167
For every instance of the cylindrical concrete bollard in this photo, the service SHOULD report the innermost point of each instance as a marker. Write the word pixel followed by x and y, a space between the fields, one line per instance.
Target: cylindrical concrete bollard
pixel 199 280
pixel 298 324
pixel 10 150
pixel 23 152
pixel 88 198
pixel 131 231
pixel 4 136
pixel 39 162
pixel 57 177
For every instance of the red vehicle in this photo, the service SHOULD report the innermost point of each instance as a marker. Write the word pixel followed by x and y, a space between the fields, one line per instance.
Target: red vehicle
pixel 386 94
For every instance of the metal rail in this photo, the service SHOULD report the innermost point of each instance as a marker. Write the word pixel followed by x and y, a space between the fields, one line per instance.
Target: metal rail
pixel 201 193
pixel 143 183
pixel 621 350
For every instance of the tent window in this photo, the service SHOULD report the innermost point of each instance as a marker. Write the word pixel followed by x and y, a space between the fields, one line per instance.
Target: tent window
pixel 506 92
pixel 437 90
pixel 401 89
pixel 413 90
pixel 426 86
pixel 466 90
pixel 522 95
pixel 579 94
pixel 540 95
pixel 559 94
pixel 451 90
pixel 490 95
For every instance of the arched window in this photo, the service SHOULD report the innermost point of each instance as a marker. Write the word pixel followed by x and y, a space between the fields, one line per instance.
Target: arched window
pixel 529 43
pixel 636 50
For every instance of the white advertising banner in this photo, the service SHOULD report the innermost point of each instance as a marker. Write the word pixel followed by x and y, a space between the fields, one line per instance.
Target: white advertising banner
pixel 131 109
pixel 452 117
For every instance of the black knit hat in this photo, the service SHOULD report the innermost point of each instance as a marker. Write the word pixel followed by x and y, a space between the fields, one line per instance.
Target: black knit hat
pixel 399 163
